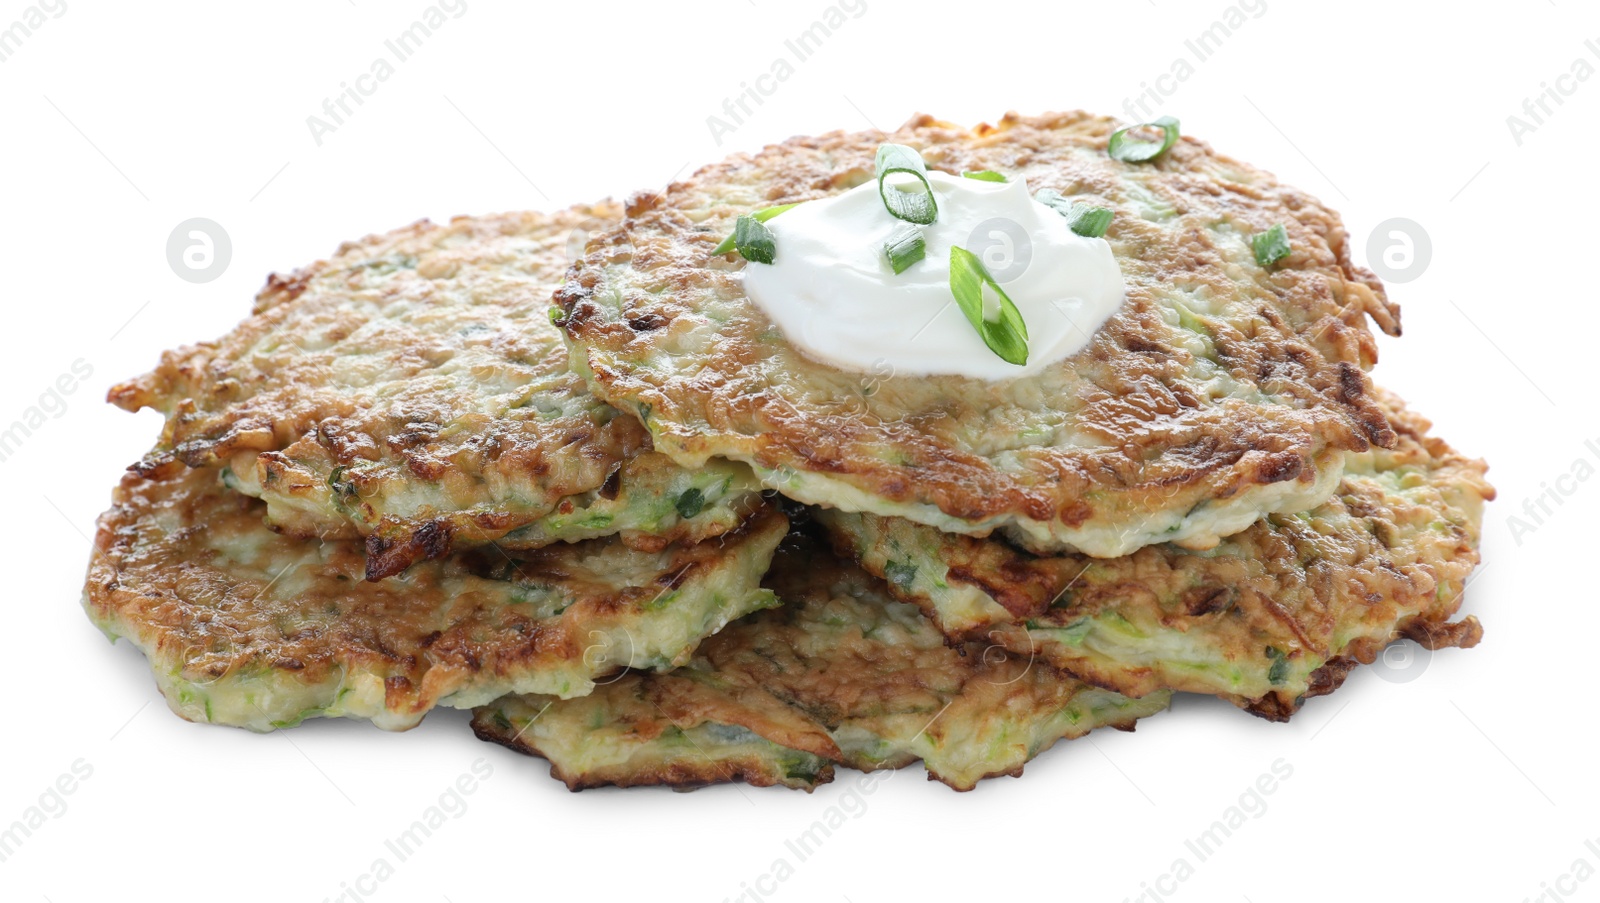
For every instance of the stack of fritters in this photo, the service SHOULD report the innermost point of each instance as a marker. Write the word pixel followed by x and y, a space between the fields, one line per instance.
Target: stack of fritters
pixel 445 513
pixel 428 472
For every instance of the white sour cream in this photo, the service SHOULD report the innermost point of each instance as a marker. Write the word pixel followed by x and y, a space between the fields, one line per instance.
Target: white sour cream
pixel 832 293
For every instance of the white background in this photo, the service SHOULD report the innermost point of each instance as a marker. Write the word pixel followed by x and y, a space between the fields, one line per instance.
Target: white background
pixel 1475 781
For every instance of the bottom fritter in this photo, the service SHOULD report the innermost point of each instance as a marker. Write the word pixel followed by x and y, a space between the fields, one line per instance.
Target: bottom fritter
pixel 840 673
pixel 243 626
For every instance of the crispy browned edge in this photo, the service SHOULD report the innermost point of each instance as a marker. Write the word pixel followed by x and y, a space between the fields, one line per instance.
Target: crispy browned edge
pixel 417 675
pixel 391 551
pixel 1432 630
pixel 704 772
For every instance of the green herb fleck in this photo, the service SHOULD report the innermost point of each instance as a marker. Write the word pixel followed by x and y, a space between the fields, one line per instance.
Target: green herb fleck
pixel 1270 246
pixel 1279 670
pixel 344 490
pixel 899 574
pixel 690 503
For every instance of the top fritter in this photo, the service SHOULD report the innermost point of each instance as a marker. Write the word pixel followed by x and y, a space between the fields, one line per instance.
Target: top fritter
pixel 411 390
pixel 1219 390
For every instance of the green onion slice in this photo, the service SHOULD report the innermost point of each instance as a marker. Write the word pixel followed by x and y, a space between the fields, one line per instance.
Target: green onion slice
pixel 1084 219
pixel 983 175
pixel 1270 246
pixel 753 241
pixel 904 247
pixel 1054 200
pixel 761 216
pixel 1129 148
pixel 987 307
pixel 1088 220
pixel 912 206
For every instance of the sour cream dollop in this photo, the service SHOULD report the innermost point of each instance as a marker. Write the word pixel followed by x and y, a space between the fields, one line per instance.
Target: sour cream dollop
pixel 832 293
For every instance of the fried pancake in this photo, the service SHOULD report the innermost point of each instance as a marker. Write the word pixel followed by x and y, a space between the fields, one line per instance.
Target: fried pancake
pixel 1219 391
pixel 665 729
pixel 839 673
pixel 412 390
pixel 1274 614
pixel 246 627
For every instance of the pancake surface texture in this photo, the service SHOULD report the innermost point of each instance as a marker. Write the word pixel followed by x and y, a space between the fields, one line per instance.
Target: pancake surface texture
pixel 413 391
pixel 1274 614
pixel 243 626
pixel 1219 391
pixel 839 672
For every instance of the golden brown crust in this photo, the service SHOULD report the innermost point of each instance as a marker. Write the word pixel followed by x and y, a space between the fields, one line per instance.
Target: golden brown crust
pixel 679 774
pixel 1216 378
pixel 1323 591
pixel 412 390
pixel 632 717
pixel 837 672
pixel 236 617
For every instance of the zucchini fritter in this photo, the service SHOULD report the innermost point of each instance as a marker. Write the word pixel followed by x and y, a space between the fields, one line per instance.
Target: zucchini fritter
pixel 664 729
pixel 1274 614
pixel 840 672
pixel 413 391
pixel 1221 390
pixel 246 627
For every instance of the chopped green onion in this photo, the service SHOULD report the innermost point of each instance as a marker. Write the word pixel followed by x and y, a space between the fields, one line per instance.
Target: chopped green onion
pixel 1088 220
pixel 761 216
pixel 987 307
pixel 1132 149
pixel 904 247
pixel 912 206
pixel 766 213
pixel 983 175
pixel 1084 219
pixel 753 241
pixel 1270 246
pixel 1054 200
pixel 557 317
